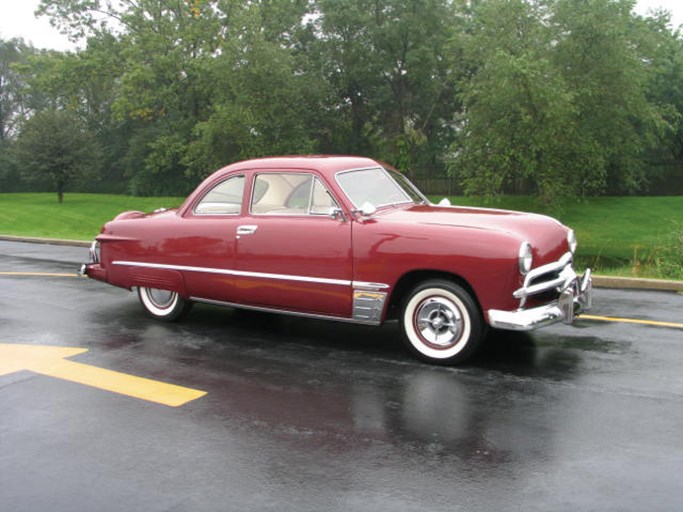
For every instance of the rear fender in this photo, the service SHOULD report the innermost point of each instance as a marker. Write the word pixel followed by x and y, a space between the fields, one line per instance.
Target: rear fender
pixel 163 279
pixel 131 214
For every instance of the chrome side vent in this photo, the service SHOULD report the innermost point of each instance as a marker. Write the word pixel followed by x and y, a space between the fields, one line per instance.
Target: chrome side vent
pixel 368 306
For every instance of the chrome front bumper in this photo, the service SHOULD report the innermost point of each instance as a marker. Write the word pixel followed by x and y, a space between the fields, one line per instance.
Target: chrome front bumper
pixel 575 297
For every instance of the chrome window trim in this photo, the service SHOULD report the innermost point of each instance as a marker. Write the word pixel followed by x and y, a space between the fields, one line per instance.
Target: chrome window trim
pixel 416 190
pixel 220 182
pixel 275 171
pixel 316 179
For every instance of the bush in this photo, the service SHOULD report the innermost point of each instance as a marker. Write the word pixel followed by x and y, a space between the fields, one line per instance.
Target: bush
pixel 668 258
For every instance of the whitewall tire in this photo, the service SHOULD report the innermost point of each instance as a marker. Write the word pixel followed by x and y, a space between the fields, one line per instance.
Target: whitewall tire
pixel 163 304
pixel 441 322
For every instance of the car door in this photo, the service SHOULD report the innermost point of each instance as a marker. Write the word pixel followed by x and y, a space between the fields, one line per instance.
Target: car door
pixel 292 252
pixel 204 241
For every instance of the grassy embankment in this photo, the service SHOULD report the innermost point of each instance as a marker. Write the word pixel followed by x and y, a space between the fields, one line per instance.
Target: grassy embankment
pixel 621 236
pixel 79 217
pixel 617 235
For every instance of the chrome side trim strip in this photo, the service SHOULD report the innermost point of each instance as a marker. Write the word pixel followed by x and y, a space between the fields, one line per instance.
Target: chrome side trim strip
pixel 263 309
pixel 369 286
pixel 258 275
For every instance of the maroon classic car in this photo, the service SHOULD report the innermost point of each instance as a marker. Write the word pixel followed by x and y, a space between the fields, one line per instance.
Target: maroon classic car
pixel 347 239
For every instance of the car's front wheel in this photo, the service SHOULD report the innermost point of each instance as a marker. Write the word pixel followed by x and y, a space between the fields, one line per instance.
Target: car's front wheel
pixel 163 305
pixel 441 322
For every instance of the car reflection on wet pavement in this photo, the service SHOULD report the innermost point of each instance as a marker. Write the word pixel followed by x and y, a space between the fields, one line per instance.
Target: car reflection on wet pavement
pixel 311 415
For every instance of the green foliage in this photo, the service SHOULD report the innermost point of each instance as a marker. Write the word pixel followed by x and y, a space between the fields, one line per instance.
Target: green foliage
pixel 667 260
pixel 54 147
pixel 10 180
pixel 12 106
pixel 390 68
pixel 665 87
pixel 556 98
pixel 241 121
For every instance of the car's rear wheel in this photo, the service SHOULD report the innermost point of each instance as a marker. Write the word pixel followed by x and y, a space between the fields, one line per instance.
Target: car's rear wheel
pixel 441 322
pixel 163 305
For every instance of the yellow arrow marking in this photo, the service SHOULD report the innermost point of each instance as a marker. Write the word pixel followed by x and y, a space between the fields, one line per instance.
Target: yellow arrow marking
pixel 51 361
pixel 632 321
pixel 37 274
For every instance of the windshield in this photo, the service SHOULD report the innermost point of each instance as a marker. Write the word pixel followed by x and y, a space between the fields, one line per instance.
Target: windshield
pixel 379 187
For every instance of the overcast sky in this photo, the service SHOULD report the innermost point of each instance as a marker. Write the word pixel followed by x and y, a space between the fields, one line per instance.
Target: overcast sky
pixel 17 20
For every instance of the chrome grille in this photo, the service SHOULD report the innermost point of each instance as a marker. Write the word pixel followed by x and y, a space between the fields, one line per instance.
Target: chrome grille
pixel 553 277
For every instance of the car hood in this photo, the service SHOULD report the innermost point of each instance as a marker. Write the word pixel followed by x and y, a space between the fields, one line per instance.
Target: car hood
pixel 544 233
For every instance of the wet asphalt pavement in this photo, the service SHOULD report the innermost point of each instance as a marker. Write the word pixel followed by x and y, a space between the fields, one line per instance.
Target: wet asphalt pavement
pixel 304 415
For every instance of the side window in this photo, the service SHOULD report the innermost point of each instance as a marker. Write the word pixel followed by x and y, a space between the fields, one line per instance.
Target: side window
pixel 290 194
pixel 322 202
pixel 223 199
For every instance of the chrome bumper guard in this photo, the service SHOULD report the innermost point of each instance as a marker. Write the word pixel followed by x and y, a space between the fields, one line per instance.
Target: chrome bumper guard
pixel 575 298
pixel 94 258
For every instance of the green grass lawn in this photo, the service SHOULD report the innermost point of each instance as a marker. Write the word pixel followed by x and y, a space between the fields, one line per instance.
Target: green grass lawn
pixel 617 235
pixel 610 227
pixel 613 232
pixel 79 217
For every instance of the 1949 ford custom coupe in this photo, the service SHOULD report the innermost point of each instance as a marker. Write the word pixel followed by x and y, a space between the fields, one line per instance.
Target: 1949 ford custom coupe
pixel 348 239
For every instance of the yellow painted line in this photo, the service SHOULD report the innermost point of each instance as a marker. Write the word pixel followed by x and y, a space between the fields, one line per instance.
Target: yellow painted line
pixel 51 361
pixel 37 274
pixel 632 321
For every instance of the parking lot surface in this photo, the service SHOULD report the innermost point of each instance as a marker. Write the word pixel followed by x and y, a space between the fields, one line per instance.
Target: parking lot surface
pixel 103 408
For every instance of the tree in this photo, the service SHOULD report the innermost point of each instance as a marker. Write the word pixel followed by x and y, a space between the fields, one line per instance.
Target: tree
pixel 266 104
pixel 55 146
pixel 12 105
pixel 603 55
pixel 518 108
pixel 666 84
pixel 557 99
pixel 551 97
pixel 202 82
pixel 389 71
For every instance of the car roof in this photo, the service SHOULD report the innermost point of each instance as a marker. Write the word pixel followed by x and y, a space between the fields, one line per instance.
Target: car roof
pixel 325 164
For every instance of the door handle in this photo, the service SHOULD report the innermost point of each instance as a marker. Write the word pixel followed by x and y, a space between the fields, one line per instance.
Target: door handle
pixel 246 230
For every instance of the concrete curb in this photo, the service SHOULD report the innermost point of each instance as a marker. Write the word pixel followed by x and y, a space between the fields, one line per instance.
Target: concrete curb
pixel 637 283
pixel 598 281
pixel 46 241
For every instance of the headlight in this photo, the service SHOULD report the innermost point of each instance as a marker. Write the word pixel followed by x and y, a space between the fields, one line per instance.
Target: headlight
pixel 571 240
pixel 526 258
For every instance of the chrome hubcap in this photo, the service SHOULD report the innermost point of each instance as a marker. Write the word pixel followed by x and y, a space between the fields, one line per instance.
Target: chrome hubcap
pixel 160 298
pixel 439 322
